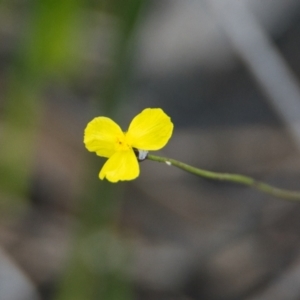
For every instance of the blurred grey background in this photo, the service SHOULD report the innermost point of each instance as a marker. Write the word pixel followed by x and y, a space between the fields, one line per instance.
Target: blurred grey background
pixel 227 72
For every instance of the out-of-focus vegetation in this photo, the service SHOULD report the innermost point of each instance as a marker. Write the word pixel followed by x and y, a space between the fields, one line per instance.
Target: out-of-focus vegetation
pixel 49 50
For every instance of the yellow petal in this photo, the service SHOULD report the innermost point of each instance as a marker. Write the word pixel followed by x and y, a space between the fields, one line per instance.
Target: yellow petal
pixel 122 165
pixel 101 136
pixel 150 130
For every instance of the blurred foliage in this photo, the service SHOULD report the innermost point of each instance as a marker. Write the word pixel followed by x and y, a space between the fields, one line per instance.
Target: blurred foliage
pixel 127 12
pixel 100 203
pixel 44 51
pixel 47 50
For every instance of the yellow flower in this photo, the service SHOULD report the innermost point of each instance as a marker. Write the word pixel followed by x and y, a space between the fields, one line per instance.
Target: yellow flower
pixel 149 130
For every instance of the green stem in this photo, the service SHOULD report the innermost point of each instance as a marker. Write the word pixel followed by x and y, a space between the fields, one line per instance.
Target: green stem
pixel 236 178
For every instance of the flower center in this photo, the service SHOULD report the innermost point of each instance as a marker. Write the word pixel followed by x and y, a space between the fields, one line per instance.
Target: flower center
pixel 122 144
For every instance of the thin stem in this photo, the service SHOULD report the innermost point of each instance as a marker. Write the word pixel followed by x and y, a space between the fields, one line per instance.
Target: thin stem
pixel 236 178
